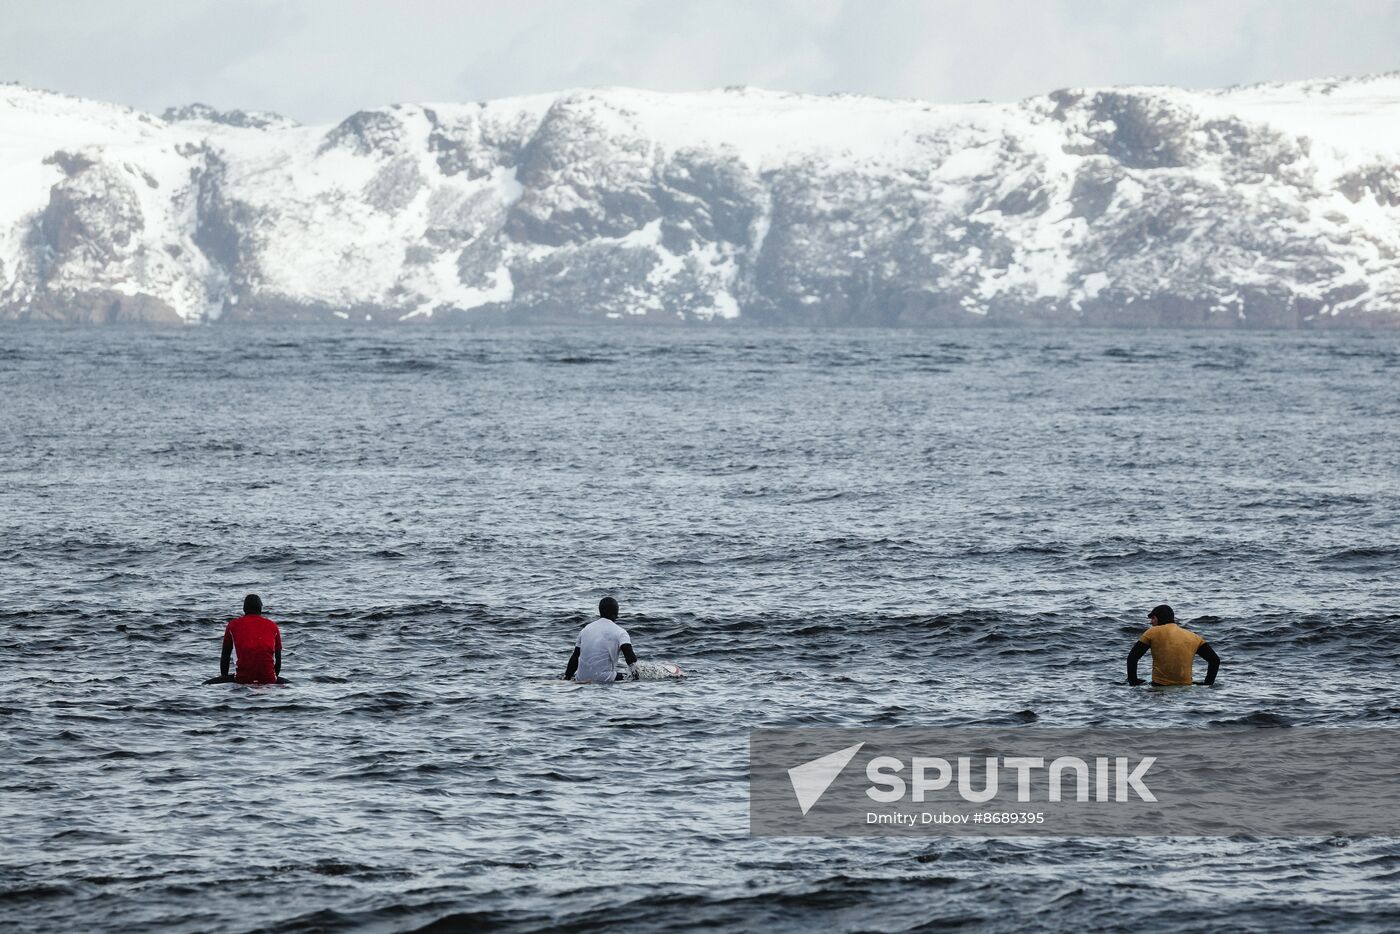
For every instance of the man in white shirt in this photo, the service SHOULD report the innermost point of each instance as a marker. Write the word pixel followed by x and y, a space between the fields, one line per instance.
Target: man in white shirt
pixel 595 653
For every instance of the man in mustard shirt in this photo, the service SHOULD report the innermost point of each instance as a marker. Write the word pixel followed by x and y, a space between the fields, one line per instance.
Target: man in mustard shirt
pixel 1173 651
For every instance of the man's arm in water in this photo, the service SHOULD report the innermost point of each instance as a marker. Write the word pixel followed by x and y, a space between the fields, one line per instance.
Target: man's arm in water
pixel 277 656
pixel 631 657
pixel 1138 651
pixel 1213 660
pixel 224 657
pixel 573 666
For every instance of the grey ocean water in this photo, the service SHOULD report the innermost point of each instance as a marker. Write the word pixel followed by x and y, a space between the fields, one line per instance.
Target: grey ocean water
pixel 839 529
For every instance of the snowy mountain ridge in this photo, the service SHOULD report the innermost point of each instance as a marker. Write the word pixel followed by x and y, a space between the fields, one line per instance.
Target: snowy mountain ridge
pixel 1269 205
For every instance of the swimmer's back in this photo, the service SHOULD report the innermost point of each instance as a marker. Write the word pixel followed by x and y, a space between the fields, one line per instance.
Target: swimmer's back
pixel 598 645
pixel 1173 650
pixel 257 640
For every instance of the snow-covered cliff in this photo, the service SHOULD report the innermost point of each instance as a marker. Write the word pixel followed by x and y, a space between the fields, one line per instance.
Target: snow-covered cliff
pixel 1273 205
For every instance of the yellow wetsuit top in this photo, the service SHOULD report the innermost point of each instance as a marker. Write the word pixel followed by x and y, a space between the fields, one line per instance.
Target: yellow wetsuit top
pixel 1173 650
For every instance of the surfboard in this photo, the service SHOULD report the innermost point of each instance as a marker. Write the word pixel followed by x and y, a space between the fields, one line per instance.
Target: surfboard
pixel 659 671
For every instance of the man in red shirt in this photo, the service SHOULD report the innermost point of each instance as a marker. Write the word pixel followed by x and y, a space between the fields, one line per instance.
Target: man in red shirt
pixel 259 645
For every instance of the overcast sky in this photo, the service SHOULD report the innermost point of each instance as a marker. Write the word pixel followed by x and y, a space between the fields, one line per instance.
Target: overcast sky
pixel 318 60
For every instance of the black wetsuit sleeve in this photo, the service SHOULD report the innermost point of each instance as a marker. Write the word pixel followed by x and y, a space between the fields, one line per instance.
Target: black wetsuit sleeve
pixel 225 656
pixel 1213 660
pixel 628 654
pixel 573 666
pixel 1138 650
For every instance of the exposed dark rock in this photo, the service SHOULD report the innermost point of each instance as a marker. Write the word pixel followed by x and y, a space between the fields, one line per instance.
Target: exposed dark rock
pixel 1381 182
pixel 246 119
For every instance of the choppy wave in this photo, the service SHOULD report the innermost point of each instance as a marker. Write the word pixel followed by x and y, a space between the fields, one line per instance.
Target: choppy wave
pixel 838 529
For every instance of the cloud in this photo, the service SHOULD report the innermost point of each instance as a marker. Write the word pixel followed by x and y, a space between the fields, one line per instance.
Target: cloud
pixel 321 59
pixel 130 52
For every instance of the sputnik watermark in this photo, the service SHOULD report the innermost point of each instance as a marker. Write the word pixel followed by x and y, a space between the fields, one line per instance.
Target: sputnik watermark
pixel 810 780
pixel 888 786
pixel 1077 782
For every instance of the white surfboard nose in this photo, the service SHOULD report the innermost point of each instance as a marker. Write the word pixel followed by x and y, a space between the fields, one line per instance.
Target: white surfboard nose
pixel 658 671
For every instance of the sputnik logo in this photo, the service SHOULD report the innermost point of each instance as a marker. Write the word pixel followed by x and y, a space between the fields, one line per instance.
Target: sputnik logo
pixel 810 780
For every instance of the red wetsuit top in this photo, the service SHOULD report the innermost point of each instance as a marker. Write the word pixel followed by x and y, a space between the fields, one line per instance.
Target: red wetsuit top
pixel 255 639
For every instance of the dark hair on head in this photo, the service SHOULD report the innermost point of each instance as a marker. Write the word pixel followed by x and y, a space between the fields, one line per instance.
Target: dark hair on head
pixel 1163 613
pixel 252 604
pixel 607 607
